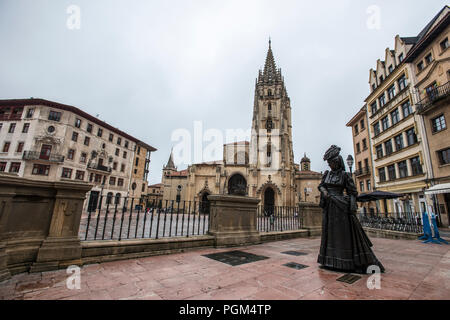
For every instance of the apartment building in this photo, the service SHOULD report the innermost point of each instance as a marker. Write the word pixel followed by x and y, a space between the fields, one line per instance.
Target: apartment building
pixel 46 140
pixel 430 61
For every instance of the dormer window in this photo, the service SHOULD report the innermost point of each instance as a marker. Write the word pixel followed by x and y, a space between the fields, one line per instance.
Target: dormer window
pixel 400 58
pixel 381 79
pixel 391 68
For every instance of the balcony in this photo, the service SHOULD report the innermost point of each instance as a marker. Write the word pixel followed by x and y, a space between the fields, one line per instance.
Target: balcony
pixel 99 167
pixel 362 171
pixel 432 96
pixel 36 155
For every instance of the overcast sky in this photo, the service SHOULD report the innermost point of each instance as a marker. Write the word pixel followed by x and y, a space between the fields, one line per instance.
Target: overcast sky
pixel 151 67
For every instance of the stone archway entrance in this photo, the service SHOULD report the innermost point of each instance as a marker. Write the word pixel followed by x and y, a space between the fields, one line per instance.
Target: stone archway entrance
pixel 269 201
pixel 204 203
pixel 237 185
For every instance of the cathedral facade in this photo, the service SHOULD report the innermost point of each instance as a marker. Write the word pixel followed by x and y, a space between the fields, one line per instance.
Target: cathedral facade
pixel 265 164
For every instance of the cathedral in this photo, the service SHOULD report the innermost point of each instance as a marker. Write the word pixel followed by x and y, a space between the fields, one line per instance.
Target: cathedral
pixel 265 164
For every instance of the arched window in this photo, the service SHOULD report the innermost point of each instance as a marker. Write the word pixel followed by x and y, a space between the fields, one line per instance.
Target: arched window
pixel 109 198
pixel 117 199
pixel 269 107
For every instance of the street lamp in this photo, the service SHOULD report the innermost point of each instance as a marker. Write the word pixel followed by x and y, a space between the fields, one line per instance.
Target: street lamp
pixel 350 162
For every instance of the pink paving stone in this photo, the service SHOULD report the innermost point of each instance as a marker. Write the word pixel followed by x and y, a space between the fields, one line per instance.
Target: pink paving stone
pixel 414 271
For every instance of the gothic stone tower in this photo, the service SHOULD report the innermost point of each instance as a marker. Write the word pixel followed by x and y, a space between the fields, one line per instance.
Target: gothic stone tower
pixel 272 172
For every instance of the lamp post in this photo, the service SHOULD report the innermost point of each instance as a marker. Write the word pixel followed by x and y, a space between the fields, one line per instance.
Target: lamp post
pixel 350 162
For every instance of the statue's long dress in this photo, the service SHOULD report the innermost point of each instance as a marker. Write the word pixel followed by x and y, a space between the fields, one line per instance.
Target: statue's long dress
pixel 345 246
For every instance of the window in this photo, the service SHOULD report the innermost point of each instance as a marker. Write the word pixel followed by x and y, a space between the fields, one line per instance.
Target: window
pixel 391 172
pixel 117 151
pixel 400 58
pixel 79 175
pixel 20 147
pixel 71 154
pixel 54 116
pixel 382 100
pixel 391 92
pixel 402 82
pixel 83 157
pixel 402 169
pixel 382 174
pixel 385 123
pixel 398 142
pixel 6 146
pixel 376 128
pixel 395 116
pixel 420 66
pixel 126 143
pixel 364 142
pixel 361 186
pixel 124 154
pixel 416 166
pixel 269 93
pixel 74 136
pixel 86 141
pixel 390 68
pixel 388 147
pixel 406 108
pixel 25 128
pixel 358 148
pixel 112 181
pixel 115 166
pixel 428 58
pixel 40 169
pixel 374 86
pixel 77 122
pixel 379 151
pixel 369 185
pixel 269 107
pixel 30 113
pixel 356 129
pixel 91 177
pixel 438 123
pixel 66 173
pixel 111 136
pixel 381 79
pixel 444 44
pixel 411 137
pixel 117 199
pixel 89 128
pixel 98 178
pixel 15 167
pixel 120 182
pixel 109 198
pixel 122 167
pixel 373 107
pixel 444 156
pixel 119 140
pixel 2 166
pixel 99 132
pixel 137 162
pixel 12 127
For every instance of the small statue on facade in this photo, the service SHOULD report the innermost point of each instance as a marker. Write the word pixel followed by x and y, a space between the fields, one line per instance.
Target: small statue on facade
pixel 344 246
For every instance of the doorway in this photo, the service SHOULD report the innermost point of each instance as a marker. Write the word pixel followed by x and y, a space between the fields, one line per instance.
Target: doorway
pixel 269 201
pixel 93 200
pixel 204 204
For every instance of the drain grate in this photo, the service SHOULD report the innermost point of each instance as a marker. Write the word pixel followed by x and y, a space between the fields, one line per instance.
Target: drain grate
pixel 349 278
pixel 235 258
pixel 295 253
pixel 295 265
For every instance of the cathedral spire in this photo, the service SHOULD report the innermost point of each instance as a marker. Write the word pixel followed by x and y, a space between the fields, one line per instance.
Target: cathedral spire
pixel 170 163
pixel 271 73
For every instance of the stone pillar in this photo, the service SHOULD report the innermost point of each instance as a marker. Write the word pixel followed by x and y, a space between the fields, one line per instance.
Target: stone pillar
pixel 312 217
pixel 233 220
pixel 62 246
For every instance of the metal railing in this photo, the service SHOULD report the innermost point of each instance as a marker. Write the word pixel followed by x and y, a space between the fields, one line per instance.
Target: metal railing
pixel 405 222
pixel 36 155
pixel 362 171
pixel 114 218
pixel 278 218
pixel 432 96
pixel 100 167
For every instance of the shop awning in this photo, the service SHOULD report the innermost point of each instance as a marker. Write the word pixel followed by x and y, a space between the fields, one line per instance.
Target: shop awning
pixel 439 188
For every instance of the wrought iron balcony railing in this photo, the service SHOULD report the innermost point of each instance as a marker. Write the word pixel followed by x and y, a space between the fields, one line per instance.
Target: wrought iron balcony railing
pixel 432 96
pixel 362 171
pixel 36 155
pixel 95 166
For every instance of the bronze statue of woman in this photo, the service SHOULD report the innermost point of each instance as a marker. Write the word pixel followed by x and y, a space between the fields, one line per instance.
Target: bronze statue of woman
pixel 344 246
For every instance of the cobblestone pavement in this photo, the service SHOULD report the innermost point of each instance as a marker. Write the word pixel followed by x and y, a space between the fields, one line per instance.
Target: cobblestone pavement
pixel 413 271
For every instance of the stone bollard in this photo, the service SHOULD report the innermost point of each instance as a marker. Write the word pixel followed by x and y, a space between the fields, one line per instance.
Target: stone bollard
pixel 233 220
pixel 312 218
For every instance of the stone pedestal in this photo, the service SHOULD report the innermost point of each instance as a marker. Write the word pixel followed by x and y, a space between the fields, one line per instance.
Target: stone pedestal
pixel 233 220
pixel 62 246
pixel 312 217
pixel 4 272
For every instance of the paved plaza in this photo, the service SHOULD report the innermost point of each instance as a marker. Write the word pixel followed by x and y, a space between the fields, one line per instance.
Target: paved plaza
pixel 414 271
